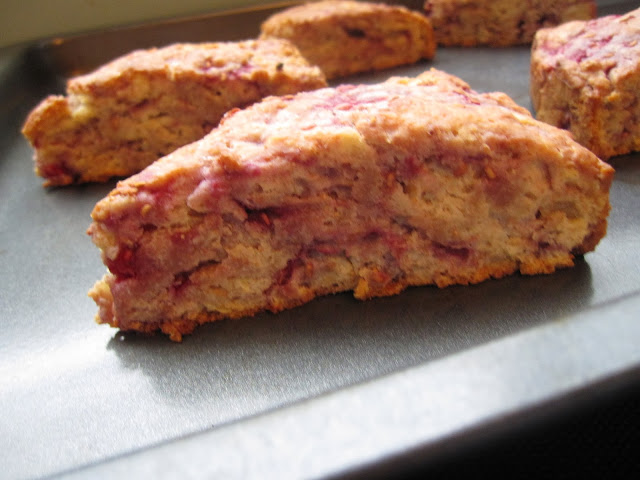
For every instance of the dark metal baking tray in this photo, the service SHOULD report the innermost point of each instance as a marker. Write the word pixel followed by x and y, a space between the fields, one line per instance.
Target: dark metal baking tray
pixel 326 389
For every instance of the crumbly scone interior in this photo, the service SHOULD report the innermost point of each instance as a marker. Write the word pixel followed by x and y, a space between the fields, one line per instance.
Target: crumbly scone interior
pixel 356 199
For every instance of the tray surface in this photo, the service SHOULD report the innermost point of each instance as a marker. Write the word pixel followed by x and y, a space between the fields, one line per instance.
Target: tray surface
pixel 75 394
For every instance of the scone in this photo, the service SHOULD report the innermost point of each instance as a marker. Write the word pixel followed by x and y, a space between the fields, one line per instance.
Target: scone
pixel 500 23
pixel 585 77
pixel 117 120
pixel 347 37
pixel 369 188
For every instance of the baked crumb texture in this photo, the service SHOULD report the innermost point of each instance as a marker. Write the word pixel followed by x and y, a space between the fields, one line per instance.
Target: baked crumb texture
pixel 585 77
pixel 117 120
pixel 369 188
pixel 500 23
pixel 348 37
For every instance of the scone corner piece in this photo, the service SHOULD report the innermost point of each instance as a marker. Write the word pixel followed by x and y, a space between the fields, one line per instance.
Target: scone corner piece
pixel 585 78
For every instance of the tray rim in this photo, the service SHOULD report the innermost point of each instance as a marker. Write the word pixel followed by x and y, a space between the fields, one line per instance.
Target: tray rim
pixel 270 440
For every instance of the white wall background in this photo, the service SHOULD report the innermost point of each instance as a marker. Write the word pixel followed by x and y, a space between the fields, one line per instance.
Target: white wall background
pixel 25 20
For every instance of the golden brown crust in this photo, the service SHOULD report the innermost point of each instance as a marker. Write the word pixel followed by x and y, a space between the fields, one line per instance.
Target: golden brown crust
pixel 344 37
pixel 500 23
pixel 117 120
pixel 370 188
pixel 585 77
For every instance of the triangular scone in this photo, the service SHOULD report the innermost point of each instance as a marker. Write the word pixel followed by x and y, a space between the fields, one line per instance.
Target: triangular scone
pixel 115 121
pixel 369 188
pixel 345 37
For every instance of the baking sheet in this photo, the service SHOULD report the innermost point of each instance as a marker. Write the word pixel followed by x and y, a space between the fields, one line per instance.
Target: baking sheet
pixel 326 388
